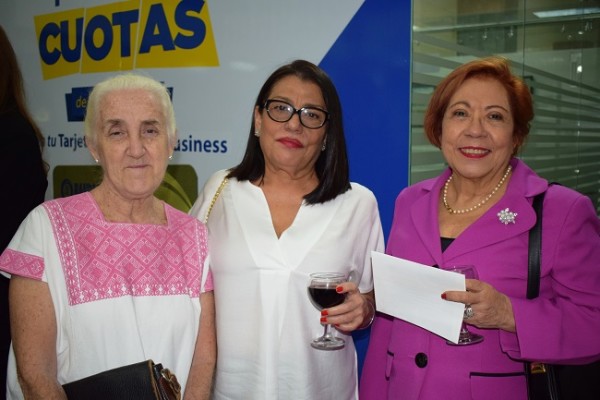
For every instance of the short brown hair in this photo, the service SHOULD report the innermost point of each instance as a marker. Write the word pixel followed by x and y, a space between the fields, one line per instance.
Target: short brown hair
pixel 497 68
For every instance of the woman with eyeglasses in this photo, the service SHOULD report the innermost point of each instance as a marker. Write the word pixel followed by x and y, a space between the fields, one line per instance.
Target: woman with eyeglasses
pixel 288 210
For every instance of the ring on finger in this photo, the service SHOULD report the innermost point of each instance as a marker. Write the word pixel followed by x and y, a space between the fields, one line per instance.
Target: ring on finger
pixel 469 313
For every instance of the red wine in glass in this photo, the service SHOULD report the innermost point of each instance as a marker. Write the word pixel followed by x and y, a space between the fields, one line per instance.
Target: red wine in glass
pixel 326 297
pixel 321 290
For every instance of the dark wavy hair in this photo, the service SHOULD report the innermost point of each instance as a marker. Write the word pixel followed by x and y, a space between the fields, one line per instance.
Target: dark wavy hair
pixel 497 68
pixel 332 165
pixel 12 91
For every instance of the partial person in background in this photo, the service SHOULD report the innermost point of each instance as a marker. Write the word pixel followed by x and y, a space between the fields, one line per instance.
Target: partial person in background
pixel 479 212
pixel 113 276
pixel 286 211
pixel 22 173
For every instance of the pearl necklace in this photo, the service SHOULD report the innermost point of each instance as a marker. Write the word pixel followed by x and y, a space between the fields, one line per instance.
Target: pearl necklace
pixel 476 206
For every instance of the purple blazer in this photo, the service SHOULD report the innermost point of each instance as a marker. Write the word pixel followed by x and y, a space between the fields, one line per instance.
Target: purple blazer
pixel 406 362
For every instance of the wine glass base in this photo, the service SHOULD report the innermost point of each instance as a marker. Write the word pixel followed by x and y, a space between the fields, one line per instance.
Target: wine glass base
pixel 467 338
pixel 328 344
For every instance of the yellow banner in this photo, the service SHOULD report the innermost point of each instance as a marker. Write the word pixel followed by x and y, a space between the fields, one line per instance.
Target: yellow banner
pixel 126 35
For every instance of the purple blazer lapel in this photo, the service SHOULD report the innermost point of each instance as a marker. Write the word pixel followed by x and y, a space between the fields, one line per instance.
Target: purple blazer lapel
pixel 424 216
pixel 489 229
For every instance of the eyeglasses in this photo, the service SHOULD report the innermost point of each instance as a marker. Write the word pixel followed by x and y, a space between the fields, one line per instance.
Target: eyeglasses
pixel 310 117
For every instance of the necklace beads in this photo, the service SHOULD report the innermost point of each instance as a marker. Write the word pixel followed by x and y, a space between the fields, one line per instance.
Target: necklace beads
pixel 476 206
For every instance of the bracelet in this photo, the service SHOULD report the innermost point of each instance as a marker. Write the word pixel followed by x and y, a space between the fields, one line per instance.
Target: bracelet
pixel 372 315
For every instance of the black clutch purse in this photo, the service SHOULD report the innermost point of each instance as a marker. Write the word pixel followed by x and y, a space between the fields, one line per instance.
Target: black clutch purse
pixel 141 381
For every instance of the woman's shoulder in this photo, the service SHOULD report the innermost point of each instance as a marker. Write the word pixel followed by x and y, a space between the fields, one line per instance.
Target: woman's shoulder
pixel 177 217
pixel 561 200
pixel 84 199
pixel 207 193
pixel 529 183
pixel 37 218
pixel 560 192
pixel 213 183
pixel 362 192
pixel 215 180
pixel 418 189
pixel 80 206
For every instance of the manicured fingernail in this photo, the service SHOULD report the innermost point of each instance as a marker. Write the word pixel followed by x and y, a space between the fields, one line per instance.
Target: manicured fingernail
pixel 324 313
pixel 337 325
pixel 323 319
pixel 444 296
pixel 339 289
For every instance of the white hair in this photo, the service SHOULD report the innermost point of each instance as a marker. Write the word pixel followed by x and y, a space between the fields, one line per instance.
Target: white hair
pixel 128 81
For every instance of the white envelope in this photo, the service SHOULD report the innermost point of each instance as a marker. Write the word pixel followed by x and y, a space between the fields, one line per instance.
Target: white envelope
pixel 412 292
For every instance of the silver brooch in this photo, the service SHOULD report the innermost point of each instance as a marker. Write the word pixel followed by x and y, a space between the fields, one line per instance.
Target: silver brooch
pixel 507 217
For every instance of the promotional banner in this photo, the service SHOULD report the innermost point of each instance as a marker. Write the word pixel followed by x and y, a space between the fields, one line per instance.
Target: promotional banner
pixel 214 56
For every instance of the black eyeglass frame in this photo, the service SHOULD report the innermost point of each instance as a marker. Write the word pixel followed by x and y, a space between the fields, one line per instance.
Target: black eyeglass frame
pixel 296 111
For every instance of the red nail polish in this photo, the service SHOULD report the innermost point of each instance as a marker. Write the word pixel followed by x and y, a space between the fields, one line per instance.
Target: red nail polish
pixel 324 319
pixel 339 289
pixel 324 313
pixel 444 296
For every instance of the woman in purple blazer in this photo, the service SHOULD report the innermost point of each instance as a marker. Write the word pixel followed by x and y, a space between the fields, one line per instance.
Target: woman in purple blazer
pixel 479 212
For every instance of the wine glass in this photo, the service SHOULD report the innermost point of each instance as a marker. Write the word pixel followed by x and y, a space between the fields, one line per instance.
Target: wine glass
pixel 466 337
pixel 322 293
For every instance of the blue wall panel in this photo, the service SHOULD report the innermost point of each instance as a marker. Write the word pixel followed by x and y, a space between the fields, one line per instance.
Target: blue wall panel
pixel 370 65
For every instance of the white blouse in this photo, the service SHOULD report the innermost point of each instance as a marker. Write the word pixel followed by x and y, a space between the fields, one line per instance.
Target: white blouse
pixel 265 319
pixel 122 293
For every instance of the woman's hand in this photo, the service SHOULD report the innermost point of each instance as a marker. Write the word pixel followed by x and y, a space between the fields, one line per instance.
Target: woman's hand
pixel 491 308
pixel 356 312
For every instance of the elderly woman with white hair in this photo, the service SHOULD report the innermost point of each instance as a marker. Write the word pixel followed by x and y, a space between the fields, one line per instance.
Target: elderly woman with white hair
pixel 113 276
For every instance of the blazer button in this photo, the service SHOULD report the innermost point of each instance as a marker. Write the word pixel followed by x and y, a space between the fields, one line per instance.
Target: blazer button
pixel 421 360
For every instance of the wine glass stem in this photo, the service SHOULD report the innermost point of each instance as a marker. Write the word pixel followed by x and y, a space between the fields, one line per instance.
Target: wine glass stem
pixel 327 333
